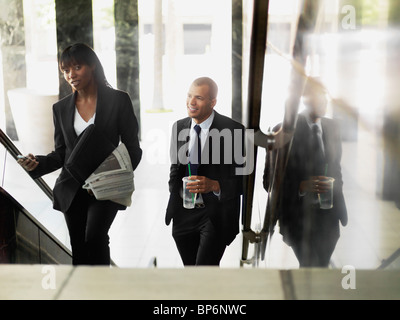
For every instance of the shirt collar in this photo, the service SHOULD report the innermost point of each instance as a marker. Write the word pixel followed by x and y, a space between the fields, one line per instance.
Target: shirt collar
pixel 206 124
pixel 309 121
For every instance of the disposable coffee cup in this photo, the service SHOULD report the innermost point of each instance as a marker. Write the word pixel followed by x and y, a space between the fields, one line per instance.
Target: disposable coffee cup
pixel 326 198
pixel 189 198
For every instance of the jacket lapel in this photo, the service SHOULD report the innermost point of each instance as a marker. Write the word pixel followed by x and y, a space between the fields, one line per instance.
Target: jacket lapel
pixel 208 147
pixel 215 123
pixel 184 143
pixel 103 107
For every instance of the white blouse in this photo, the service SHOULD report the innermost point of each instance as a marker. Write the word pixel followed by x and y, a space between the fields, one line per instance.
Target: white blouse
pixel 79 124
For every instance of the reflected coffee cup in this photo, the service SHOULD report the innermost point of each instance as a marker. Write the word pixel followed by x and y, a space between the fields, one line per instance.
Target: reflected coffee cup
pixel 326 198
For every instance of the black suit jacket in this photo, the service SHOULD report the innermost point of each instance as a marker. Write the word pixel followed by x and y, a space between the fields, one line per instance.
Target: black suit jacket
pixel 292 207
pixel 223 212
pixel 114 117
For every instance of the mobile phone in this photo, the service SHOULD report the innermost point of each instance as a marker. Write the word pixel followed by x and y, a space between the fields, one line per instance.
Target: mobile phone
pixel 23 157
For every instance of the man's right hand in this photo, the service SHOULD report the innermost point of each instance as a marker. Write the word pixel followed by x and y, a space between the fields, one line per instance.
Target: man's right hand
pixel 315 184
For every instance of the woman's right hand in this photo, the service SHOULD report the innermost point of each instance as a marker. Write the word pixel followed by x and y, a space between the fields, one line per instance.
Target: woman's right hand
pixel 29 163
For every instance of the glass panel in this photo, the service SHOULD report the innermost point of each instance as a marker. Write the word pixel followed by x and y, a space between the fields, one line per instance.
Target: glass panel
pixel 104 37
pixel 196 41
pixel 353 48
pixel 31 104
pixel 41 48
pixel 282 26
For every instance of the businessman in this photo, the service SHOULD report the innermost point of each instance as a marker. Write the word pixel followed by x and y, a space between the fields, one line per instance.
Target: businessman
pixel 310 231
pixel 203 147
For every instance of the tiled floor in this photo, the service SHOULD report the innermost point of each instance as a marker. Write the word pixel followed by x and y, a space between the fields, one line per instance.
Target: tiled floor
pixel 139 234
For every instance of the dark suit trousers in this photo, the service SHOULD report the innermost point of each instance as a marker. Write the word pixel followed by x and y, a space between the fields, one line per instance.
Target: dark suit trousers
pixel 196 238
pixel 319 237
pixel 89 221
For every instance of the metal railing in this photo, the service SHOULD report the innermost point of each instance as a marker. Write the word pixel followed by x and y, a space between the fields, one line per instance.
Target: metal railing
pixel 14 152
pixel 269 140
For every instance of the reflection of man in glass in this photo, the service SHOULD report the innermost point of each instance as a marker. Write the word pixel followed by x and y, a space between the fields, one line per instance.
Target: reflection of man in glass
pixel 315 154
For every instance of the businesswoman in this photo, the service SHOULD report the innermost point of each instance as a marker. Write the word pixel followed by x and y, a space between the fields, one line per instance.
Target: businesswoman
pixel 92 101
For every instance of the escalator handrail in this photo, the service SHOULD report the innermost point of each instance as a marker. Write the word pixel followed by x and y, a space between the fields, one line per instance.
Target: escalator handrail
pixel 14 152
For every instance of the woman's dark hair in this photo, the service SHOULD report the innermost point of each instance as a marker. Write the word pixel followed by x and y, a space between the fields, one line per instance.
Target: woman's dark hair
pixel 82 54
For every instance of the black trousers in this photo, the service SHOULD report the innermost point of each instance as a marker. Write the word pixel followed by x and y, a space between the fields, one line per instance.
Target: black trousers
pixel 319 238
pixel 89 221
pixel 197 240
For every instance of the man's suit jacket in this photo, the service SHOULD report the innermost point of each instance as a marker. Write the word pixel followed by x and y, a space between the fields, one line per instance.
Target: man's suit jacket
pixel 114 117
pixel 292 207
pixel 223 212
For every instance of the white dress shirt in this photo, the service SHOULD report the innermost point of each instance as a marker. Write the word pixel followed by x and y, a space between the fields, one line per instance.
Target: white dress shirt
pixel 79 124
pixel 205 129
